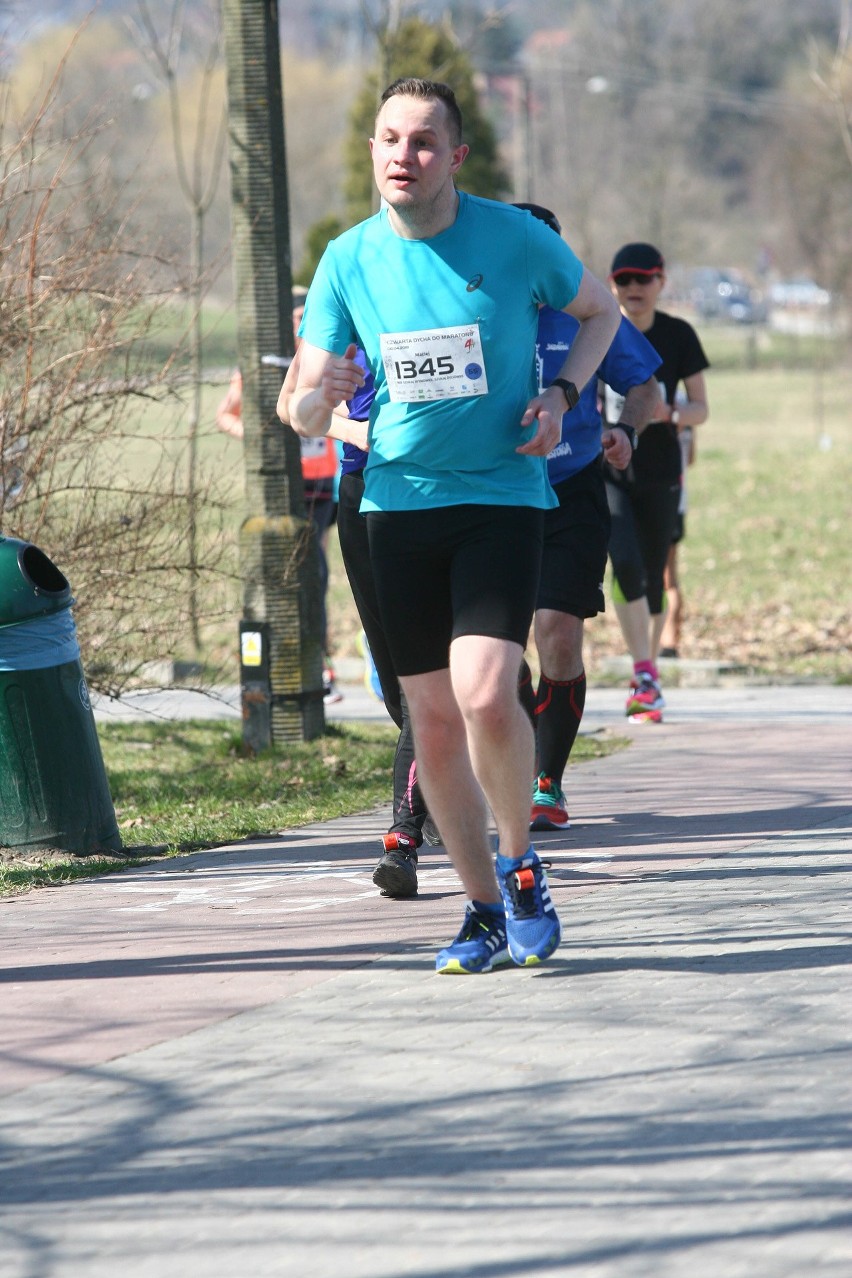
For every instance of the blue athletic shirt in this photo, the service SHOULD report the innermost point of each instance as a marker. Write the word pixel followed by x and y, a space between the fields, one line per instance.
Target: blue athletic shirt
pixel 630 360
pixel 355 458
pixel 491 268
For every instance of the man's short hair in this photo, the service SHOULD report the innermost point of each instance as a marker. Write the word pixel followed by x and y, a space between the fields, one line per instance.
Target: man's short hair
pixel 427 91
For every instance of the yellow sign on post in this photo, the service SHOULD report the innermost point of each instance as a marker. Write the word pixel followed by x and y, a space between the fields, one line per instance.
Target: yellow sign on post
pixel 251 648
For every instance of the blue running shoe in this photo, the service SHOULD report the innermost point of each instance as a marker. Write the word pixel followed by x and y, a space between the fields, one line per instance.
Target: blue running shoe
pixel 371 674
pixel 479 946
pixel 532 924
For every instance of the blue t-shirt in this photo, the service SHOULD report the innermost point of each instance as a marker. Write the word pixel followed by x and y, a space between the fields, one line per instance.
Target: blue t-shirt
pixel 491 269
pixel 355 458
pixel 630 361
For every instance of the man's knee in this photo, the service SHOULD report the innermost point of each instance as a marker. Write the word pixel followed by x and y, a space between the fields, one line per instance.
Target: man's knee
pixel 559 640
pixel 490 707
pixel 432 709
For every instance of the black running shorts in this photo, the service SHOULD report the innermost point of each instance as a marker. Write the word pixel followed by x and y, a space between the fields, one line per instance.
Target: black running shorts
pixel 576 536
pixel 459 570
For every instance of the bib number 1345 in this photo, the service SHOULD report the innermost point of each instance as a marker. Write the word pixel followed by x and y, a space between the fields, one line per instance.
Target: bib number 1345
pixel 405 369
pixel 437 363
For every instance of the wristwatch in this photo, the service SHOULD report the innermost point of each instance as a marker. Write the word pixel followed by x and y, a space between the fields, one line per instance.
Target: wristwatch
pixel 569 390
pixel 630 432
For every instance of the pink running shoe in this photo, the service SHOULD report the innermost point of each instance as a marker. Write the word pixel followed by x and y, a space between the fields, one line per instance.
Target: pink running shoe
pixel 645 697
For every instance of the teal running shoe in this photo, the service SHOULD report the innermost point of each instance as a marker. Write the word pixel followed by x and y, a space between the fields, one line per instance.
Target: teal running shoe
pixel 548 811
pixel 533 929
pixel 479 946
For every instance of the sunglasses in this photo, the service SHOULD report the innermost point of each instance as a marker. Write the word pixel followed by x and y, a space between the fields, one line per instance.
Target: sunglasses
pixel 623 278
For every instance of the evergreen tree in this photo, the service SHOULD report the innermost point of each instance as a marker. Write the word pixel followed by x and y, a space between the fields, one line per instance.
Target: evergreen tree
pixel 316 239
pixel 417 48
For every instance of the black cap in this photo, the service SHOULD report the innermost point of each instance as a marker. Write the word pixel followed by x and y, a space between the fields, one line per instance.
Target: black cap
pixel 643 259
pixel 543 215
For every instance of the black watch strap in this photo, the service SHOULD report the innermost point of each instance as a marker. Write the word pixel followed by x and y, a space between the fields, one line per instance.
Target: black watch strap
pixel 630 432
pixel 569 390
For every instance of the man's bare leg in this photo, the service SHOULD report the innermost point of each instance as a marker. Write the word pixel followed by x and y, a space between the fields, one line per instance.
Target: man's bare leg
pixel 670 637
pixel 500 738
pixel 453 794
pixel 635 621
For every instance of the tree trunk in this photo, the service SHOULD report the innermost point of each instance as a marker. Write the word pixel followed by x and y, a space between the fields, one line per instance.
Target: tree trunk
pixel 281 629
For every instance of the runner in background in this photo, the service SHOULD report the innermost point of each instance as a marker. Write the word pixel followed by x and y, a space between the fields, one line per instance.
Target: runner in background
pixel 320 468
pixel 673 625
pixel 396 872
pixel 644 499
pixel 576 536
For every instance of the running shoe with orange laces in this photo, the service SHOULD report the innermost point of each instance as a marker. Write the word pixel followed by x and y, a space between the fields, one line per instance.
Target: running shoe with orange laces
pixel 548 810
pixel 396 873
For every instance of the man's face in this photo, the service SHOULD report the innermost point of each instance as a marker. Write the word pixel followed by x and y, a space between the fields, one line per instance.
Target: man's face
pixel 414 158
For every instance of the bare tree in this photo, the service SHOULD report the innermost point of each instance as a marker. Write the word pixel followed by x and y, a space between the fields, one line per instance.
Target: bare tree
pixel 833 76
pixel 199 168
pixel 82 474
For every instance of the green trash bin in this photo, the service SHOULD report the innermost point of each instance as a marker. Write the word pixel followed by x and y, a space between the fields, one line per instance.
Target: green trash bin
pixel 54 791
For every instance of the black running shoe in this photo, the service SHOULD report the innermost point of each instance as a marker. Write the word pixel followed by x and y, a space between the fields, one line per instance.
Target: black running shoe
pixel 396 873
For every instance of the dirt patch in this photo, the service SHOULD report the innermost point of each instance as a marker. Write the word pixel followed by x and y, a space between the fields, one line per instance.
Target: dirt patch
pixel 37 858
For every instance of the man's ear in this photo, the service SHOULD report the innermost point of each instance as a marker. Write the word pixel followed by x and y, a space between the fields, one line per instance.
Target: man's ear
pixel 459 156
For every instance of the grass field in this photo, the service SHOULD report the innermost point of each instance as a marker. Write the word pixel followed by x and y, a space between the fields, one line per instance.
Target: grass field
pixel 765 565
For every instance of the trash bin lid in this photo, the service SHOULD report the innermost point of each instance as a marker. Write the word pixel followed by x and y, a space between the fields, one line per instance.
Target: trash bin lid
pixel 30 584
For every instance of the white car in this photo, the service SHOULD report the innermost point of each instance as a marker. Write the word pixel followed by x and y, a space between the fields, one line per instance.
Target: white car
pixel 799 294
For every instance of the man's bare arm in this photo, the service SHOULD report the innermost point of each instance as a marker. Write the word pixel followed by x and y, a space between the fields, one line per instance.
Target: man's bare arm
pixel 641 405
pixel 599 316
pixel 324 381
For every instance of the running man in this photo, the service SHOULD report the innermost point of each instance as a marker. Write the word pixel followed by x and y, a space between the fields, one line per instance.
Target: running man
pixel 576 536
pixel 441 289
pixel 396 872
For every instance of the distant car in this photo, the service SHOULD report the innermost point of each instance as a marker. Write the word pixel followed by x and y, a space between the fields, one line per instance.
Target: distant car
pixel 799 294
pixel 726 295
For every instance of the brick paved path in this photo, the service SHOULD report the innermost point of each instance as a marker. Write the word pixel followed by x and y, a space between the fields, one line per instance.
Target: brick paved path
pixel 241 1063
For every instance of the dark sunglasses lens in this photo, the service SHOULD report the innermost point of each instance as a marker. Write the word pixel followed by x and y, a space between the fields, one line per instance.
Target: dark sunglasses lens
pixel 628 277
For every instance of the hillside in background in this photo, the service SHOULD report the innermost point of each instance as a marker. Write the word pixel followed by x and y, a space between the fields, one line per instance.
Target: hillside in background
pixel 697 127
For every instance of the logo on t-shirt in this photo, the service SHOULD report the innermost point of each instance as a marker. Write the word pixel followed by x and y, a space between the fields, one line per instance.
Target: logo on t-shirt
pixel 474 283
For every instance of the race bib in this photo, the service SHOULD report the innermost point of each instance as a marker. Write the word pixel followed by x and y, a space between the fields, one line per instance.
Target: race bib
pixel 435 363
